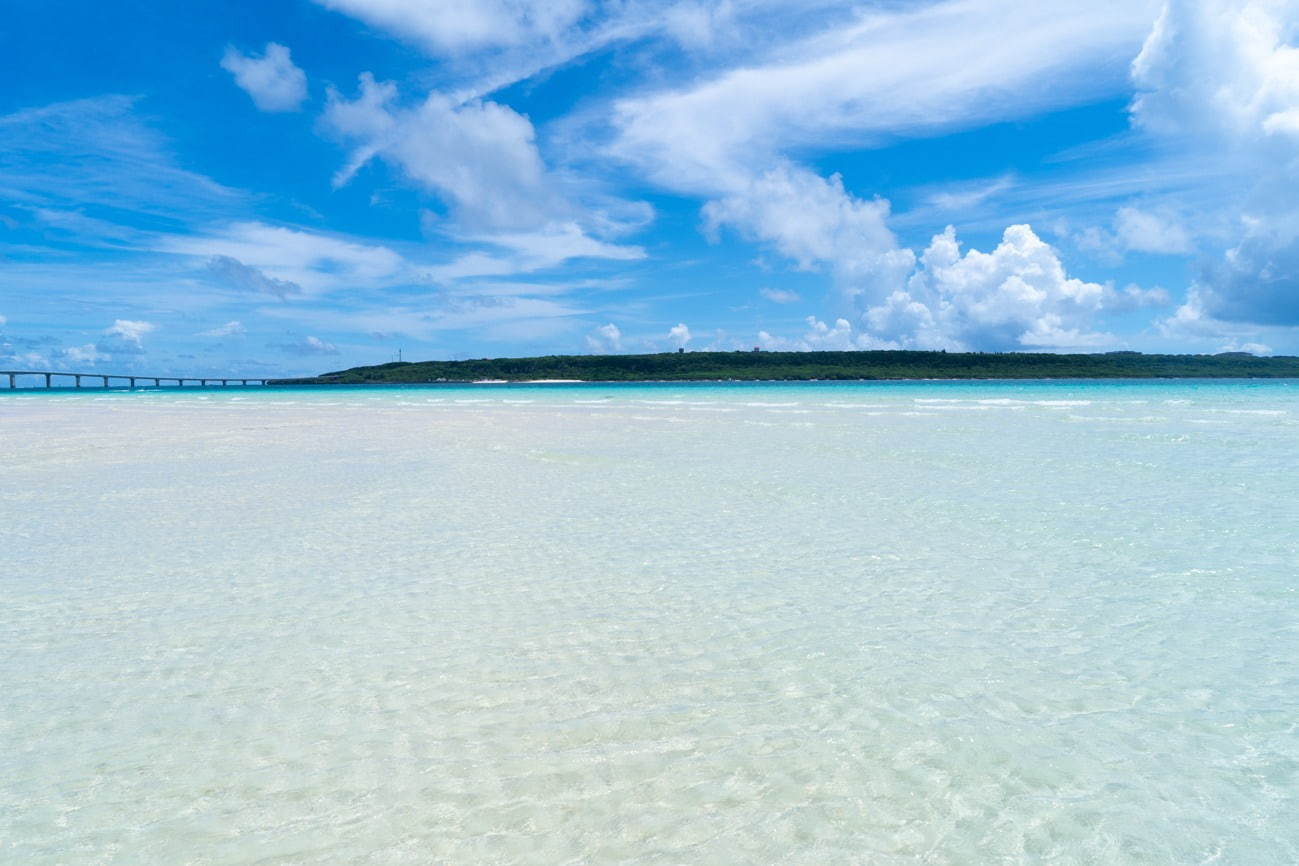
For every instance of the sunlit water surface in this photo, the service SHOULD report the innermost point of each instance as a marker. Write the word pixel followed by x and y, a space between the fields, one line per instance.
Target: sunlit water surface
pixel 860 623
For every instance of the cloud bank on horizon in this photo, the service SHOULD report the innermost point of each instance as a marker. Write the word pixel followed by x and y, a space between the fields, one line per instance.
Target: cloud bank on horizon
pixel 326 182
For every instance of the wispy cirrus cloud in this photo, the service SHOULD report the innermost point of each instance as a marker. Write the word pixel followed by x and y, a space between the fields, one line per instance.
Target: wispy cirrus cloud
pixel 895 72
pixel 96 153
pixel 780 296
pixel 229 329
pixel 284 261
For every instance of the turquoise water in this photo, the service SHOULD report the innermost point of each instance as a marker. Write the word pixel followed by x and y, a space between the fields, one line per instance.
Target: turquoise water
pixel 816 623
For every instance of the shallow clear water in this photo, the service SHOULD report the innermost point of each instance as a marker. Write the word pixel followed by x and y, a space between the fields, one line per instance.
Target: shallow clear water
pixel 815 623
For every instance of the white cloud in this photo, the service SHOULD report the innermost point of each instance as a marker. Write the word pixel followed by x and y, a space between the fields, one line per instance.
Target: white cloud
pixel 963 197
pixel 697 25
pixel 823 336
pixel 70 155
pixel 461 25
pixel 606 338
pixel 1194 321
pixel 481 157
pixel 1134 297
pixel 1226 64
pixel 526 252
pixel 235 273
pixel 3 321
pixel 272 80
pixel 819 336
pixel 814 221
pixel 87 229
pixel 86 354
pixel 306 347
pixel 486 315
pixel 779 296
pixel 1220 78
pixel 679 335
pixel 1148 232
pixel 130 331
pixel 1016 296
pixel 1252 348
pixel 483 46
pixel 27 360
pixel 896 71
pixel 290 257
pixel 229 329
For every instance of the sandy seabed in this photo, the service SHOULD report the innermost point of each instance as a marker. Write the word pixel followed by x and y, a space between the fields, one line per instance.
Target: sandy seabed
pixel 918 622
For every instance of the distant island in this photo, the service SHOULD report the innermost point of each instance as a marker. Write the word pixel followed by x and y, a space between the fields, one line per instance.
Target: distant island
pixel 801 366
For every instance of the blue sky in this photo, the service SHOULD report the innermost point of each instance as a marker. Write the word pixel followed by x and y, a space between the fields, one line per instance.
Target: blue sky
pixel 296 186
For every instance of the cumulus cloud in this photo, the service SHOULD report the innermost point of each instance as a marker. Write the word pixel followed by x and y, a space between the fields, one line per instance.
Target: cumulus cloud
pixel 1134 297
pixel 1221 79
pixel 606 338
pixel 1018 295
pixel 1227 64
pixel 1258 279
pixel 240 276
pixel 229 329
pixel 779 296
pixel 821 336
pixel 480 157
pixel 272 80
pixel 306 347
pixel 1194 322
pixel 130 331
pixel 87 354
pixel 840 335
pixel 1251 348
pixel 679 335
pixel 814 221
pixel 1149 232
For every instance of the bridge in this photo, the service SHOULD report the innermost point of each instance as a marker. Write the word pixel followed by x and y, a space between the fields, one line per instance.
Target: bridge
pixel 158 381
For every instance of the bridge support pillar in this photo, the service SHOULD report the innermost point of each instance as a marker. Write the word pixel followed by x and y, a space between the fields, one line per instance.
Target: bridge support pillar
pixel 47 380
pixel 78 378
pixel 13 381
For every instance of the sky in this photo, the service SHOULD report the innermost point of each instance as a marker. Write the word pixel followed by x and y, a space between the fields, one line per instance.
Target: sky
pixel 294 186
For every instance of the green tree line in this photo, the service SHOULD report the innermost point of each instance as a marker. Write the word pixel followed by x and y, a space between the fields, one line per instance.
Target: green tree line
pixel 792 366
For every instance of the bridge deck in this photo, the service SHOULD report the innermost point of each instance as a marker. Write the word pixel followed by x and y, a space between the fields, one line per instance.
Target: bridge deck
pixel 130 378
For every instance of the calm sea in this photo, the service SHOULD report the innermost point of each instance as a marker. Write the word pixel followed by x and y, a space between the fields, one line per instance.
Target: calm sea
pixel 820 623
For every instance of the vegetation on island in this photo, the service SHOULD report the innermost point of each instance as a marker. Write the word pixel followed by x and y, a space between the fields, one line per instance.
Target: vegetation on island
pixel 789 366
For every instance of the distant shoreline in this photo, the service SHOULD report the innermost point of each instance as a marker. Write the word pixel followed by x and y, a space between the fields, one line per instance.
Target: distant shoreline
pixel 861 366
